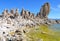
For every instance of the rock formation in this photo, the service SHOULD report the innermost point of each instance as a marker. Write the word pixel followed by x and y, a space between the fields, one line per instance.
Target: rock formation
pixel 16 13
pixel 5 13
pixel 22 12
pixel 12 12
pixel 44 11
pixel 26 14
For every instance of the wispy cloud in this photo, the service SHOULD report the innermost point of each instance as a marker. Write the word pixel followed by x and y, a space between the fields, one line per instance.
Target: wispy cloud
pixel 55 12
pixel 58 6
pixel 53 8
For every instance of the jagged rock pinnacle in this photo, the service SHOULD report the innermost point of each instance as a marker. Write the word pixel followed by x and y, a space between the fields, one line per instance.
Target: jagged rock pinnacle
pixel 44 11
pixel 22 12
pixel 16 13
pixel 12 11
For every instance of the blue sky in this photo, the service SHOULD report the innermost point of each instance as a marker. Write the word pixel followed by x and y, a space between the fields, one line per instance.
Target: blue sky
pixel 33 6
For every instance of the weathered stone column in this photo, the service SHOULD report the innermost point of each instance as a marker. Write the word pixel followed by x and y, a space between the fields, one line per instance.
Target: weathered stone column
pixel 22 12
pixel 44 11
pixel 5 13
pixel 12 11
pixel 16 13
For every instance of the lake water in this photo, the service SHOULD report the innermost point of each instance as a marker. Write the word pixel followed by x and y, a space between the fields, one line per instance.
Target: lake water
pixel 55 27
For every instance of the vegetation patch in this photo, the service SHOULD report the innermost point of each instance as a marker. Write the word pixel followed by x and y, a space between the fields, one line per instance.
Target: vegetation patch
pixel 42 33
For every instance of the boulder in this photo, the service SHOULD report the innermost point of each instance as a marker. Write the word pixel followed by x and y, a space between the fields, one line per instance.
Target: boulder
pixel 57 21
